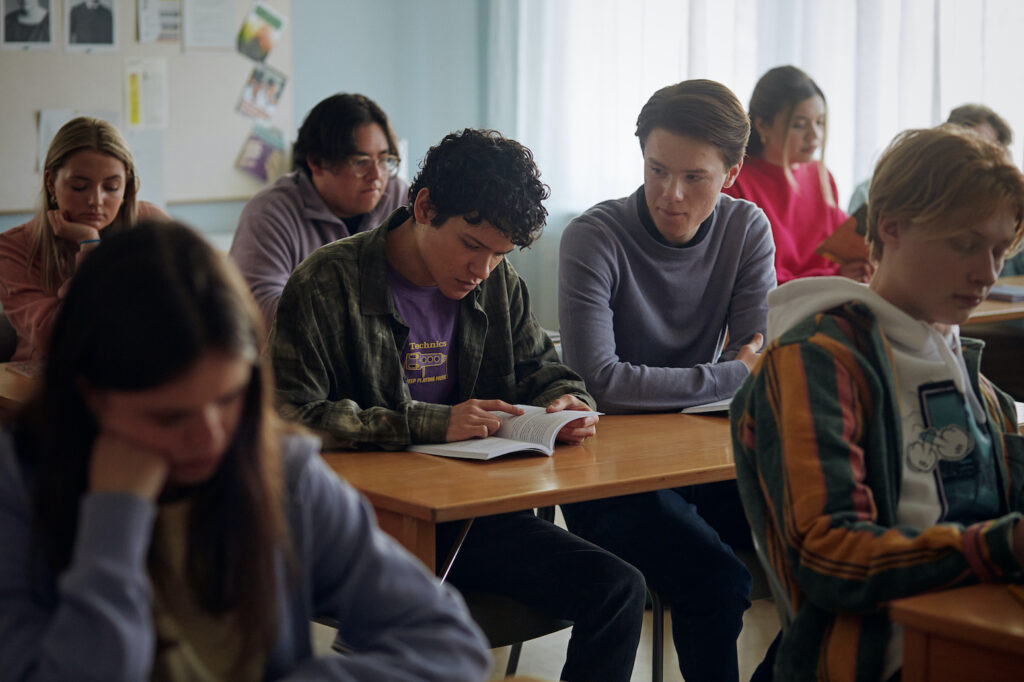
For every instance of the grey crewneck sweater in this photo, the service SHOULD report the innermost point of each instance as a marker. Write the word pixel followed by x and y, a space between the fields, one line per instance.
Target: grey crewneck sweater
pixel 643 322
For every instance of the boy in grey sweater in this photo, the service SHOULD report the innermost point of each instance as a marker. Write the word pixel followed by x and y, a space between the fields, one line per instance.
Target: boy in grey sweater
pixel 650 288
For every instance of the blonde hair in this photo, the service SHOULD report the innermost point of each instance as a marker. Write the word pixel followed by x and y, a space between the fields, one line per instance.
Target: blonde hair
pixel 56 257
pixel 945 177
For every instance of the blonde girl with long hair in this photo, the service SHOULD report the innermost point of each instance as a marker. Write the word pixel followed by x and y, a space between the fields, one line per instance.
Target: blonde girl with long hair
pixel 89 192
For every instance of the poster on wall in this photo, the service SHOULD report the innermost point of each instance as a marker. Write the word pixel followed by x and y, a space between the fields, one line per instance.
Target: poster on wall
pixel 262 155
pixel 145 90
pixel 90 25
pixel 260 31
pixel 262 92
pixel 27 25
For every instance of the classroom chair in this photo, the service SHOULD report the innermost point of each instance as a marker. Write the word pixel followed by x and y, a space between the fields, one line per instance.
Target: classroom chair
pixel 760 588
pixel 505 621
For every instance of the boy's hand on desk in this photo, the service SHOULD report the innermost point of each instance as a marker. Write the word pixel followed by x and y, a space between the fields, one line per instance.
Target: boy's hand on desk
pixel 473 418
pixel 749 353
pixel 576 431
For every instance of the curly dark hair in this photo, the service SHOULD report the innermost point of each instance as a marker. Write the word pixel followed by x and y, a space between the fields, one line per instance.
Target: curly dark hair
pixel 483 176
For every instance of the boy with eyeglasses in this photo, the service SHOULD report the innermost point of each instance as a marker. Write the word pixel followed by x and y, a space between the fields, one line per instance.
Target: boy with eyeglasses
pixel 345 160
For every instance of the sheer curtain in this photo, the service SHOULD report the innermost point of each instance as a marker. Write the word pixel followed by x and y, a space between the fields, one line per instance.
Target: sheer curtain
pixel 568 78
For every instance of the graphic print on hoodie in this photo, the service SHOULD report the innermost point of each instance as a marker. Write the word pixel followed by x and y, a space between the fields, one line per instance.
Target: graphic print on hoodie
pixel 958 452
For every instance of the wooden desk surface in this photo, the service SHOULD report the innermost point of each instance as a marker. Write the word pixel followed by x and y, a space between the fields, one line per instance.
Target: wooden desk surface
pixel 629 454
pixel 999 311
pixel 412 492
pixel 974 632
pixel 15 389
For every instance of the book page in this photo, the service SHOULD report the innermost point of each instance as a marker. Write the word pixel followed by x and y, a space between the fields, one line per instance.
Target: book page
pixel 536 424
pixel 479 448
pixel 717 406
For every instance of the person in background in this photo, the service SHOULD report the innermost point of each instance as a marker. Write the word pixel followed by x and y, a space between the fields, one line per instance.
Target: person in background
pixel 979 118
pixel 89 193
pixel 346 353
pixel 345 160
pixel 648 287
pixel 173 528
pixel 784 173
pixel 874 461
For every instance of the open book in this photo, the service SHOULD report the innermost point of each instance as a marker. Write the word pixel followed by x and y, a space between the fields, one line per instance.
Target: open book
pixel 533 431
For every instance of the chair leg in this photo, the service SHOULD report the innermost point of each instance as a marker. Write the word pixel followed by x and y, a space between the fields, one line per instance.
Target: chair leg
pixel 513 659
pixel 658 644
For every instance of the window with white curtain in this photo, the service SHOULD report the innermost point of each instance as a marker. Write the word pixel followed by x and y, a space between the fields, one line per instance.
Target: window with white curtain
pixel 568 78
pixel 584 68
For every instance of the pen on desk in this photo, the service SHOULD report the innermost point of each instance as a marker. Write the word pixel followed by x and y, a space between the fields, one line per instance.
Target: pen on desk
pixel 1017 591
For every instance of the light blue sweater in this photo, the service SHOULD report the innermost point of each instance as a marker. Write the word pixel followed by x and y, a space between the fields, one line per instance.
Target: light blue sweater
pixel 94 622
pixel 643 322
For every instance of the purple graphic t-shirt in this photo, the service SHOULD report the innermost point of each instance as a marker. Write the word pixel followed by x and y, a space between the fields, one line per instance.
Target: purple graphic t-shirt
pixel 430 358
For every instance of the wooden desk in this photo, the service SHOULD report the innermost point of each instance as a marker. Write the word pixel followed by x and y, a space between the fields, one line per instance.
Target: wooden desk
pixel 999 311
pixel 15 389
pixel 412 492
pixel 971 633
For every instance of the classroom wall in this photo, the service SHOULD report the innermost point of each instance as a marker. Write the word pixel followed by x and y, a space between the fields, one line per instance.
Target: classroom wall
pixel 422 62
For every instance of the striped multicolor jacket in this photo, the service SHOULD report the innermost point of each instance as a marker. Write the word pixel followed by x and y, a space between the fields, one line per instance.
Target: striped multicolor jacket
pixel 817 441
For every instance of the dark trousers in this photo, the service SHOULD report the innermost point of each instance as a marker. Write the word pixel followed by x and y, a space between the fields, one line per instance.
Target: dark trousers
pixel 681 555
pixel 541 565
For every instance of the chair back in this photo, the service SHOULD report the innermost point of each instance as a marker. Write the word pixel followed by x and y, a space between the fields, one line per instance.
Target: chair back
pixel 779 594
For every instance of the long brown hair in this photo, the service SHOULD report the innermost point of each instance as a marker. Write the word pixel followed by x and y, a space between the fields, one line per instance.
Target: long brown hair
pixel 777 93
pixel 56 257
pixel 142 309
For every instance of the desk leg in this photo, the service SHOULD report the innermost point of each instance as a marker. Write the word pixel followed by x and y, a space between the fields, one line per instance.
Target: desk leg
pixel 915 655
pixel 415 535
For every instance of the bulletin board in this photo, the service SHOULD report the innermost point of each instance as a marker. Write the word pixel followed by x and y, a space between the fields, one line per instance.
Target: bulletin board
pixel 203 134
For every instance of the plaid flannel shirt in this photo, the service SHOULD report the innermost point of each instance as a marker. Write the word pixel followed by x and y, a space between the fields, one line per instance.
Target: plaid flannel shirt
pixel 337 340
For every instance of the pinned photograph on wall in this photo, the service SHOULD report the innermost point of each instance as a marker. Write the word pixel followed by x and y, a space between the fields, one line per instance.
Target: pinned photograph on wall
pixel 260 31
pixel 262 92
pixel 27 25
pixel 262 155
pixel 91 25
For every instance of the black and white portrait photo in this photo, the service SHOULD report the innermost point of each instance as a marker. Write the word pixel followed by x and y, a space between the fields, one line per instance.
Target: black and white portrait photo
pixel 27 23
pixel 90 23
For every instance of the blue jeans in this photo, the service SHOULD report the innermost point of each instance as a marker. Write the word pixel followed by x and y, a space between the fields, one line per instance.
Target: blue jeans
pixel 539 564
pixel 682 557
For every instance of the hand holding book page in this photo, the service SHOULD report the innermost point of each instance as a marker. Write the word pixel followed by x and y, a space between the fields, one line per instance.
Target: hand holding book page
pixel 533 431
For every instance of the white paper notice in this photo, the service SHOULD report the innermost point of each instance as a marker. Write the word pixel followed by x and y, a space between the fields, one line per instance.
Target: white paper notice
pixel 209 23
pixel 148 152
pixel 159 21
pixel 145 82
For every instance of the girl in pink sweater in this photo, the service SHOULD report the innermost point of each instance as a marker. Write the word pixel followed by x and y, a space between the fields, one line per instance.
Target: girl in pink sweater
pixel 89 190
pixel 785 175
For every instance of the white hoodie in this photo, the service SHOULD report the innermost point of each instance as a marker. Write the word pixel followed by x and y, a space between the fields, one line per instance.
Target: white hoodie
pixel 931 383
